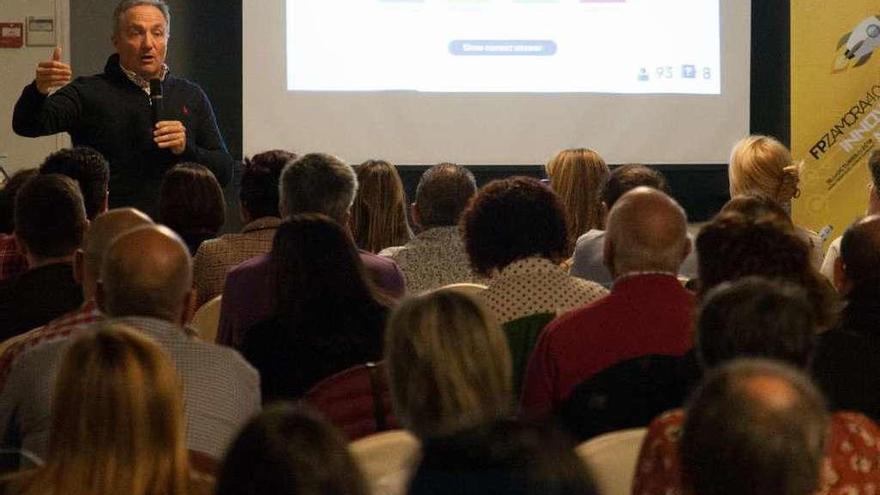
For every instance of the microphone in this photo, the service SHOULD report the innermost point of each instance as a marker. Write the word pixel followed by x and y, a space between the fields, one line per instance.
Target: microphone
pixel 156 100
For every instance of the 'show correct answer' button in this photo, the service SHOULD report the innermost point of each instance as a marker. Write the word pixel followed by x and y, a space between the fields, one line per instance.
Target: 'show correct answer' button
pixel 541 48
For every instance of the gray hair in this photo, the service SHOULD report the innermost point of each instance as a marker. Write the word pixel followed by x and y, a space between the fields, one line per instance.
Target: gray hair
pixel 123 6
pixel 317 183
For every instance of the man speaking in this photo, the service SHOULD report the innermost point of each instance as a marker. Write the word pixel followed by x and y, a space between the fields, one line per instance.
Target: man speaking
pixel 143 119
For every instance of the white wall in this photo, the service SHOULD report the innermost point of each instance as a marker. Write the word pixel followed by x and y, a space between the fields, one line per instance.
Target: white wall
pixel 17 70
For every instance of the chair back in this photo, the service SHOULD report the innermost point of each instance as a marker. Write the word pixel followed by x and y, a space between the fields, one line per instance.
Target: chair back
pixel 355 400
pixel 207 319
pixel 386 459
pixel 466 287
pixel 628 394
pixel 522 334
pixel 14 459
pixel 612 459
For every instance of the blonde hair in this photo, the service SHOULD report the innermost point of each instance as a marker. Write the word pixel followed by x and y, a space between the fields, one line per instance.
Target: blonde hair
pixel 448 363
pixel 577 176
pixel 378 216
pixel 117 421
pixel 762 166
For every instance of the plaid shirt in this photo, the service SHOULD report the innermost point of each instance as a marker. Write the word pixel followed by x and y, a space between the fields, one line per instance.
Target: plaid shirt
pixel 216 257
pixel 58 328
pixel 221 391
pixel 12 262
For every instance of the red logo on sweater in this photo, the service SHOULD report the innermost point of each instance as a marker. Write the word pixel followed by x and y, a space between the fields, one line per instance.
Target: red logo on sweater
pixel 186 110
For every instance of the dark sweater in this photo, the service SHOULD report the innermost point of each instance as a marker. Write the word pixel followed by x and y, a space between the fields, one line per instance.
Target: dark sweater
pixel 111 114
pixel 846 364
pixel 292 356
pixel 37 297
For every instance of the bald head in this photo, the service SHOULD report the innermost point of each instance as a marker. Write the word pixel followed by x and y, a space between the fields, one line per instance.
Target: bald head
pixel 859 261
pixel 104 228
pixel 754 426
pixel 646 231
pixel 147 272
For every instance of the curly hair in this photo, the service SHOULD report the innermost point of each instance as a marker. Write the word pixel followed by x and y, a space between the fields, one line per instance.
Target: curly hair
pixel 733 246
pixel 511 219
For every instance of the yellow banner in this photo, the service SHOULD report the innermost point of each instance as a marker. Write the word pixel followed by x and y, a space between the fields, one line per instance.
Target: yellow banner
pixel 835 108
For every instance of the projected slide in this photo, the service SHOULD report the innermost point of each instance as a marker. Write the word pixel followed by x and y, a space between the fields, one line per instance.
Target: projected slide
pixel 504 46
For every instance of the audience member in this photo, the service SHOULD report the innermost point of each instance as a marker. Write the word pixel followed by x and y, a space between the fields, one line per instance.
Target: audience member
pixel 588 261
pixel 117 422
pixel 378 215
pixel 762 166
pixel 89 170
pixel 577 176
pixel 448 364
pixel 756 207
pixel 86 270
pixel 733 246
pixel 754 427
pixel 258 203
pixel 287 450
pixel 146 283
pixel 648 310
pixel 502 458
pixel 12 262
pixel 314 183
pixel 846 365
pixel 759 318
pixel 436 257
pixel 327 318
pixel 873 209
pixel 191 203
pixel 514 232
pixel 8 195
pixel 50 220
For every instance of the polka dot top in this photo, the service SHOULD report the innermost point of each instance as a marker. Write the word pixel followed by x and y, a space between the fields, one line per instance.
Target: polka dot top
pixel 537 285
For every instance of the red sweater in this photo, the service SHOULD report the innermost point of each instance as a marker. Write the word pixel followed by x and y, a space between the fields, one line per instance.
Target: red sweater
pixel 644 314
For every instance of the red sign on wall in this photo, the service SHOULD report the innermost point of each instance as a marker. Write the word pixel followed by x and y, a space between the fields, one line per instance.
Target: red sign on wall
pixel 11 34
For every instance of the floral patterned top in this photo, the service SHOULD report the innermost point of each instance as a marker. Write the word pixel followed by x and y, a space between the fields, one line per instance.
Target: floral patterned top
pixel 853 453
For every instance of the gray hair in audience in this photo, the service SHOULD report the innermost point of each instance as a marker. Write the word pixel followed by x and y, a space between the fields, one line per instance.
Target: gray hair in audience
pixel 648 232
pixel 317 183
pixel 442 194
pixel 757 427
pixel 123 6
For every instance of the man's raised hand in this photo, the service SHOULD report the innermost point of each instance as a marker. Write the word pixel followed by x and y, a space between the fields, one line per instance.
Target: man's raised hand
pixel 53 73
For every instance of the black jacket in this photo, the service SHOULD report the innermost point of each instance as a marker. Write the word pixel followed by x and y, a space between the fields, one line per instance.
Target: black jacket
pixel 112 115
pixel 846 364
pixel 37 297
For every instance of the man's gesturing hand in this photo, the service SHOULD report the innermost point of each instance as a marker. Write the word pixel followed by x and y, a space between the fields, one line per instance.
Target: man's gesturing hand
pixel 170 134
pixel 53 73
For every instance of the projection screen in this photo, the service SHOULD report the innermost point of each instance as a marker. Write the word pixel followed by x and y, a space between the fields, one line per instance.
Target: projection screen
pixel 497 82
